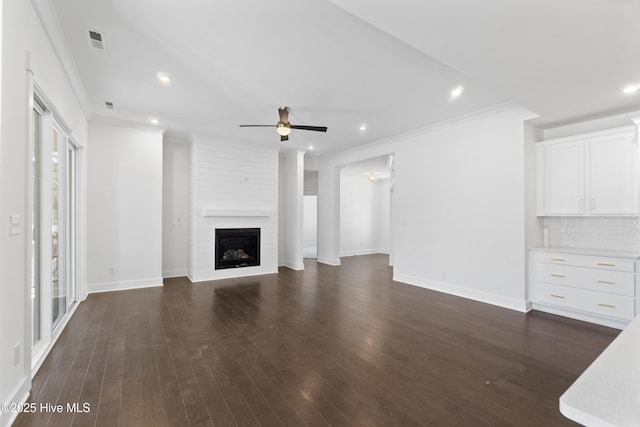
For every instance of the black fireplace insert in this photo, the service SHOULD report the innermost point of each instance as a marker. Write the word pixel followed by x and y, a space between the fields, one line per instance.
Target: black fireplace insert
pixel 237 247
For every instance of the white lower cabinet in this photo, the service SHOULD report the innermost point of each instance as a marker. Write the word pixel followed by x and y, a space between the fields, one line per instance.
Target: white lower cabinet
pixel 599 289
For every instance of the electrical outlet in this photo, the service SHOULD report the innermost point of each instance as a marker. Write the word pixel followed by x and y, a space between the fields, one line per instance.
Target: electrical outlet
pixel 16 354
pixel 16 225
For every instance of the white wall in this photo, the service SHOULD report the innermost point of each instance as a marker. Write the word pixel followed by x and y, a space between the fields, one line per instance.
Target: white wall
pixel 292 162
pixel 176 188
pixel 242 181
pixel 382 202
pixel 310 227
pixel 281 211
pixel 310 213
pixel 124 207
pixel 459 205
pixel 22 32
pixel 364 215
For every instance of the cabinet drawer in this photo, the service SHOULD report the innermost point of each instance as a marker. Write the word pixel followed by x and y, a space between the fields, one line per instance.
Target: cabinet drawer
pixel 594 302
pixel 605 263
pixel 617 282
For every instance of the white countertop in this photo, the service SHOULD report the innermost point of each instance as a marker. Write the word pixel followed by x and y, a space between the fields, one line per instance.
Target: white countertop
pixel 608 392
pixel 588 251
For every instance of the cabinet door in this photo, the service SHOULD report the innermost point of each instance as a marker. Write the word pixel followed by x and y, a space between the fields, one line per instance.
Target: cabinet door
pixel 561 187
pixel 613 174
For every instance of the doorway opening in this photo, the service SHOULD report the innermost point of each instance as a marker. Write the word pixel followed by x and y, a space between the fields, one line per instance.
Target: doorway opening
pixel 366 197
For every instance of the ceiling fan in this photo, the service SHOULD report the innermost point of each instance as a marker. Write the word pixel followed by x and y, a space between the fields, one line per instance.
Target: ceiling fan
pixel 283 127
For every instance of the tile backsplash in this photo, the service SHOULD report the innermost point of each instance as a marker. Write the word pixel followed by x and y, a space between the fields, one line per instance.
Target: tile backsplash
pixel 622 234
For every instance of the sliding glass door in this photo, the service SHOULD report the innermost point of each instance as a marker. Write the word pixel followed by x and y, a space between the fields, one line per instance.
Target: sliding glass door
pixel 53 243
pixel 62 224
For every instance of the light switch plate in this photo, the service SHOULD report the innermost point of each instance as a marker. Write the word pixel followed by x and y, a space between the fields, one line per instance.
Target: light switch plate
pixel 15 225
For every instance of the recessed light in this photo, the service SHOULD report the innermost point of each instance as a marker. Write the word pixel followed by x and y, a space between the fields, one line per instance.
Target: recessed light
pixel 164 79
pixel 153 120
pixel 456 92
pixel 363 127
pixel 631 89
pixel 311 147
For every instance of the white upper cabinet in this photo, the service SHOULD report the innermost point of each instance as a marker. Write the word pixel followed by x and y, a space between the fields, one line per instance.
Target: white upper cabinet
pixel 562 169
pixel 591 174
pixel 614 174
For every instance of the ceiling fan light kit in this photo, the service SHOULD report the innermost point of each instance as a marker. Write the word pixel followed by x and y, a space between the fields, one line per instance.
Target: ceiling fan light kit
pixel 283 127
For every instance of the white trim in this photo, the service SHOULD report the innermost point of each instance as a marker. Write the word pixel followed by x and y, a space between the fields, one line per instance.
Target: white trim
pixel 364 252
pixel 588 135
pixel 168 274
pixel 124 285
pixel 19 397
pixel 54 338
pixel 493 299
pixel 45 103
pixel 435 127
pixel 330 261
pixel 579 315
pixel 51 25
pixel 297 266
pixel 231 274
pixel 127 123
pixel 237 212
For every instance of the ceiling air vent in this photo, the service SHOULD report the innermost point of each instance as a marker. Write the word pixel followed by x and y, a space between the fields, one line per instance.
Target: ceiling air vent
pixel 108 104
pixel 96 39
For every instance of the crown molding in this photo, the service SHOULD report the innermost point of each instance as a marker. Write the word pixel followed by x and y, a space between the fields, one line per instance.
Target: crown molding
pixel 51 25
pixel 127 123
pixel 434 127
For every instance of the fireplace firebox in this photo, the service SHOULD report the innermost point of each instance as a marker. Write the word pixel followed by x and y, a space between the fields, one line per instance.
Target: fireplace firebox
pixel 237 247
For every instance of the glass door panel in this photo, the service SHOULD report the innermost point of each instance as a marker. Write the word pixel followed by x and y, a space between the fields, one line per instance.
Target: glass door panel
pixel 35 227
pixel 58 291
pixel 70 220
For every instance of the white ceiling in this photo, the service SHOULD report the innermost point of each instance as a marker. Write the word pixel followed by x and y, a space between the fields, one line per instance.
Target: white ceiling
pixel 343 63
pixel 565 60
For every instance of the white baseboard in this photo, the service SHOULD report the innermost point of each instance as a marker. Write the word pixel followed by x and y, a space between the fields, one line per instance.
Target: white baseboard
pixel 330 261
pixel 124 285
pixel 578 315
pixel 294 265
pixel 231 273
pixel 19 397
pixel 498 300
pixel 361 252
pixel 174 273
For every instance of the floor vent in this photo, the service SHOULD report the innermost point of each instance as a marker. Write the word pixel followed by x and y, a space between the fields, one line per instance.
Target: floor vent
pixel 96 39
pixel 108 104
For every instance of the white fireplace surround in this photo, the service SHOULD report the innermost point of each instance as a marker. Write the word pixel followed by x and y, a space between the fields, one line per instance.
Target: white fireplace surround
pixel 231 190
pixel 237 212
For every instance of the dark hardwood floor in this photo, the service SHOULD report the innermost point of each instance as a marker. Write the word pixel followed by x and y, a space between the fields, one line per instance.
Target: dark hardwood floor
pixel 339 346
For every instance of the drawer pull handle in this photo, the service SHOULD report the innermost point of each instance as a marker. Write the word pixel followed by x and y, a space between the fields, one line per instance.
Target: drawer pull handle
pixel 604 264
pixel 557 259
pixel 557 296
pixel 604 282
pixel 557 275
pixel 607 305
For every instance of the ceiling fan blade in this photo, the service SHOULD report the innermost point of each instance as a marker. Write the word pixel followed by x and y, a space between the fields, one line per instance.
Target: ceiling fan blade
pixel 284 137
pixel 284 114
pixel 316 128
pixel 257 126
